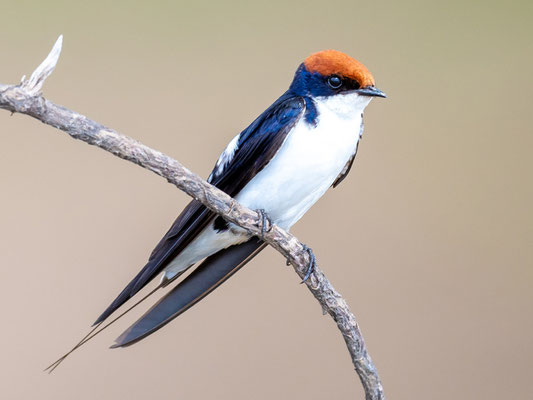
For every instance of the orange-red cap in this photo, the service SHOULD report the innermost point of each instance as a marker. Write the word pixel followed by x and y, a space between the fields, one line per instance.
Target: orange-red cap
pixel 329 62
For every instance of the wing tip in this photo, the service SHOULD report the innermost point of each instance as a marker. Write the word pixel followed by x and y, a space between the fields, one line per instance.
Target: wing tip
pixel 110 310
pixel 101 318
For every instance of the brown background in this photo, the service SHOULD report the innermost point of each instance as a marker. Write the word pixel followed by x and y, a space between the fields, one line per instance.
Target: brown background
pixel 429 239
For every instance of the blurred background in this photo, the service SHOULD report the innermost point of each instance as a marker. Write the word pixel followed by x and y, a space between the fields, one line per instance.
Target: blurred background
pixel 429 238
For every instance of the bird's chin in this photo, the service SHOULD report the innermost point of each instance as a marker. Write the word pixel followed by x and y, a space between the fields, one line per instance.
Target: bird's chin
pixel 346 104
pixel 356 99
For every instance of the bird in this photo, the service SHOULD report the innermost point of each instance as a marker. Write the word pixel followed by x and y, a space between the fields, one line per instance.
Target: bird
pixel 280 165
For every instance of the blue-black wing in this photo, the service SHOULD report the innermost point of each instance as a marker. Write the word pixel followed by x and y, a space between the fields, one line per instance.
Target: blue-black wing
pixel 202 281
pixel 255 147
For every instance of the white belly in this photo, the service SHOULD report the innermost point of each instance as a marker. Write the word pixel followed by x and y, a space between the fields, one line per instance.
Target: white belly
pixel 307 164
pixel 305 167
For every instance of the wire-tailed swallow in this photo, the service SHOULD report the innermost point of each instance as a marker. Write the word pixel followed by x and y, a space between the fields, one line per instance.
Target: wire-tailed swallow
pixel 300 146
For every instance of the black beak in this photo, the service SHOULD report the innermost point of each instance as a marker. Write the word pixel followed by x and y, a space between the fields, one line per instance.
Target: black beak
pixel 371 91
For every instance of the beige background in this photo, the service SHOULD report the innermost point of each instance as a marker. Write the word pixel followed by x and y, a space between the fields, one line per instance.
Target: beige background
pixel 429 239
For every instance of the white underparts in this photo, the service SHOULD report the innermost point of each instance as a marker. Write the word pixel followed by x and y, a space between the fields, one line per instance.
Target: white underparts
pixel 307 164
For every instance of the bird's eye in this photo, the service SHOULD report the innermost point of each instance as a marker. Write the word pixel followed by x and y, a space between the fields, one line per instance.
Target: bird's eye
pixel 334 81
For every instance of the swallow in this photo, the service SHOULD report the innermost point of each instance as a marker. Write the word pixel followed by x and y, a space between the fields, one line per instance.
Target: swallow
pixel 281 164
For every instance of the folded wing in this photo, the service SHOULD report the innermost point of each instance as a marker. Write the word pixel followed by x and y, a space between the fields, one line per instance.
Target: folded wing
pixel 254 148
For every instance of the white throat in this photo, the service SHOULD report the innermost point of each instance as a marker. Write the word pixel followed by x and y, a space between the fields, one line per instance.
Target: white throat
pixel 345 106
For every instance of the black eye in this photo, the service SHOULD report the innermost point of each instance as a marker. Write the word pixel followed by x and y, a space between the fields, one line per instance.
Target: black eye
pixel 334 81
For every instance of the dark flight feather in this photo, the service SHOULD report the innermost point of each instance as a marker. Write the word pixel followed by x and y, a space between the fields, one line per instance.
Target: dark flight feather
pixel 256 146
pixel 202 281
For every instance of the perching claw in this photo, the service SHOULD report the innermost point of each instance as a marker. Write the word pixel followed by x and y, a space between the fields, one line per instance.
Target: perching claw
pixel 312 263
pixel 265 222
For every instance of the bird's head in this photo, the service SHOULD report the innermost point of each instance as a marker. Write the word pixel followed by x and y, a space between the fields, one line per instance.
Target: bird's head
pixel 329 73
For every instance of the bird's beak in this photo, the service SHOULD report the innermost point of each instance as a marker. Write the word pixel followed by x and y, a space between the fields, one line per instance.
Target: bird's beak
pixel 371 91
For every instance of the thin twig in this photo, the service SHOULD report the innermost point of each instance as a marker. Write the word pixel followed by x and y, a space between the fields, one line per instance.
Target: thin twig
pixel 26 98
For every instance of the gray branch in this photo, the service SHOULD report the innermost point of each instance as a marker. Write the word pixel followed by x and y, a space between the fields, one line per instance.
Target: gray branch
pixel 26 98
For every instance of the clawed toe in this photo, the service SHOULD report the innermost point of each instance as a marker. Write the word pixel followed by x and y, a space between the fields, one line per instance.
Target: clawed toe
pixel 266 222
pixel 312 263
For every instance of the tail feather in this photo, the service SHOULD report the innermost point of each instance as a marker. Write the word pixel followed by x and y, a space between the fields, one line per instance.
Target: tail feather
pixel 203 280
pixel 96 329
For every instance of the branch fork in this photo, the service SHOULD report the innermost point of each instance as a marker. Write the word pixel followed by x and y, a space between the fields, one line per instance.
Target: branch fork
pixel 26 98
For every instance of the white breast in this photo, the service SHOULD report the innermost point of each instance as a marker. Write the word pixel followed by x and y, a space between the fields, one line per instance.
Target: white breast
pixel 305 167
pixel 308 162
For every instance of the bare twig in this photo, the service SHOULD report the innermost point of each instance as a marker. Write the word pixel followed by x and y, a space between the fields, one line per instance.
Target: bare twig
pixel 25 98
pixel 33 85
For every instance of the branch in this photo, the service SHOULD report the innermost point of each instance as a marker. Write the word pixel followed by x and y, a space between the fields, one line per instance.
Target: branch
pixel 26 98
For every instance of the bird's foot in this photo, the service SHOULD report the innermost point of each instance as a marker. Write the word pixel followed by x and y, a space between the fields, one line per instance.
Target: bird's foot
pixel 266 222
pixel 312 263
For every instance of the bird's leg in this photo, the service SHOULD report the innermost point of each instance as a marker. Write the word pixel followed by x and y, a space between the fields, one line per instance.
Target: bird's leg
pixel 312 263
pixel 266 222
